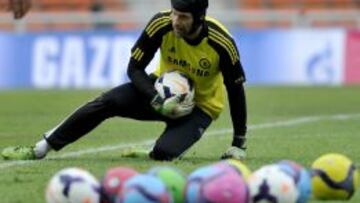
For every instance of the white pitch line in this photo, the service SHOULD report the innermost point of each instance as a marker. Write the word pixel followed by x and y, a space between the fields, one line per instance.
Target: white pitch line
pixel 287 123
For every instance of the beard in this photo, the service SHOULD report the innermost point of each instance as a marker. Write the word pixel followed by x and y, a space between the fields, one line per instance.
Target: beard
pixel 181 31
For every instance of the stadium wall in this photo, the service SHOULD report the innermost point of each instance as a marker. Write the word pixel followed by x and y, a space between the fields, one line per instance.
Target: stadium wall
pixel 98 59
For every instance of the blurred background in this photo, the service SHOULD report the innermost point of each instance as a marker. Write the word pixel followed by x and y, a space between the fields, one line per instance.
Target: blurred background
pixel 86 43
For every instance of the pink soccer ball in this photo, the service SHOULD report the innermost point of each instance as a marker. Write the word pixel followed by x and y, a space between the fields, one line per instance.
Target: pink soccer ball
pixel 114 180
pixel 216 184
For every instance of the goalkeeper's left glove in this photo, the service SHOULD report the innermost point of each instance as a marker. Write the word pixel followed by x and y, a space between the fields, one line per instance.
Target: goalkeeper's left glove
pixel 234 153
pixel 237 150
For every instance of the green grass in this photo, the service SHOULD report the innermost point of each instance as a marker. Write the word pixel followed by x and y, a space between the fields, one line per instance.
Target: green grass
pixel 26 115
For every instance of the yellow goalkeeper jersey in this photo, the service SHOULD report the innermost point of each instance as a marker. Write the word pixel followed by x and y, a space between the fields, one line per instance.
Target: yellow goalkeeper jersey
pixel 207 61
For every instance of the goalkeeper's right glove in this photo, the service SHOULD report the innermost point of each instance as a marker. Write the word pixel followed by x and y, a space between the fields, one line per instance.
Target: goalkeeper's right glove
pixel 182 109
pixel 172 107
pixel 164 106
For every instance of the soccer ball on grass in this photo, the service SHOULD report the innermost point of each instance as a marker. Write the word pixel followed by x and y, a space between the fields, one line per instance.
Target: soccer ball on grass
pixel 114 180
pixel 334 177
pixel 173 179
pixel 301 177
pixel 271 184
pixel 73 185
pixel 144 188
pixel 217 184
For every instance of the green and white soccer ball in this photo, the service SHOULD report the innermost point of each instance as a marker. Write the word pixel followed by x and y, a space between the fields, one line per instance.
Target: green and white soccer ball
pixel 173 179
pixel 334 177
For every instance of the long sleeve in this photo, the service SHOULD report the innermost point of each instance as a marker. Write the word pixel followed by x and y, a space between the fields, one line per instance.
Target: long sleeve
pixel 143 52
pixel 234 78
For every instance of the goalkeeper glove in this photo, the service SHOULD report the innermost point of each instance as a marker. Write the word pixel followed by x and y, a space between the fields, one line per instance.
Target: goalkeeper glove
pixel 172 107
pixel 234 153
pixel 237 150
pixel 164 106
pixel 182 109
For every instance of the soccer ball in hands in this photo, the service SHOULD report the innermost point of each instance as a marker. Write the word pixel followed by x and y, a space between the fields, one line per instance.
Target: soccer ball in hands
pixel 334 177
pixel 175 83
pixel 218 183
pixel 270 184
pixel 144 188
pixel 73 185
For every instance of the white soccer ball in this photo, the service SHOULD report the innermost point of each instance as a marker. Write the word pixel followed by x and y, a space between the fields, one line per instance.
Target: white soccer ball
pixel 73 185
pixel 175 83
pixel 271 184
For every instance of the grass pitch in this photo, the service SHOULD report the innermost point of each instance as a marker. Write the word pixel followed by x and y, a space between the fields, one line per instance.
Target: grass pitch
pixel 297 123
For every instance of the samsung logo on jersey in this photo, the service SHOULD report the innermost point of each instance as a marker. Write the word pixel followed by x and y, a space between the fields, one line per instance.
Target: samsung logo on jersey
pixel 183 63
pixel 179 62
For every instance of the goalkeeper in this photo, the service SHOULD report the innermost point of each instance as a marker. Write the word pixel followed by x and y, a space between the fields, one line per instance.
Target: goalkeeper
pixel 189 42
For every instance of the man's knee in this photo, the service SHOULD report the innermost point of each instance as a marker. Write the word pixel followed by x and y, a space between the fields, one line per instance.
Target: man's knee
pixel 162 155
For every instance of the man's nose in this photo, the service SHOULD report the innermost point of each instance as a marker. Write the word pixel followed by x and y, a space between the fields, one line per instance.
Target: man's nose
pixel 175 20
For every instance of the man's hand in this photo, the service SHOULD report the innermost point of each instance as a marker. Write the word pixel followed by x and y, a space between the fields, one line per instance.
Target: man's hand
pixel 19 7
pixel 164 106
pixel 171 107
pixel 182 109
pixel 234 153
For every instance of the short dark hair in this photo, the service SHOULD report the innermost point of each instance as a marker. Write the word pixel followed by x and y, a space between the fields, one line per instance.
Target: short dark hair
pixel 196 7
pixel 192 6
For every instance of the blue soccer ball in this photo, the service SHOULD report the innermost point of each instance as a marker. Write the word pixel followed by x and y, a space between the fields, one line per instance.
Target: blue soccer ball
pixel 173 179
pixel 301 177
pixel 144 188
